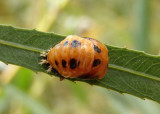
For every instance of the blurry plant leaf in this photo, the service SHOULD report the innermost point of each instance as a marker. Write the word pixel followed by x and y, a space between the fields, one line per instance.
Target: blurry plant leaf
pixel 80 93
pixel 23 79
pixel 129 71
pixel 4 101
pixel 35 106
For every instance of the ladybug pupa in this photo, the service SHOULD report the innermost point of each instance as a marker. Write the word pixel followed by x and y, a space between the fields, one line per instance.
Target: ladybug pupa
pixel 77 57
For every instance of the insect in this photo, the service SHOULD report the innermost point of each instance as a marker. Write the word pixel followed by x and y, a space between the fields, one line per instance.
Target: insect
pixel 77 57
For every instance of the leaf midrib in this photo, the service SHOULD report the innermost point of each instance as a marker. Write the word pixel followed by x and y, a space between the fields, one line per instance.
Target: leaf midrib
pixel 112 66
pixel 16 45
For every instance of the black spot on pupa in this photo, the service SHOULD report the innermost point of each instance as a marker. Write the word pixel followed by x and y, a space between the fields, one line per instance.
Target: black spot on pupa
pixel 75 43
pixel 73 64
pixel 64 63
pixel 56 62
pixel 97 49
pixel 96 62
pixel 65 43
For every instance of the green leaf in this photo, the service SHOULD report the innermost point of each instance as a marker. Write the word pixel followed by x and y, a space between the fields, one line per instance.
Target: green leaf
pixel 129 71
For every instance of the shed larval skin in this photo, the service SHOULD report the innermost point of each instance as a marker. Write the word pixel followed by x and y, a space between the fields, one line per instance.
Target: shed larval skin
pixel 77 57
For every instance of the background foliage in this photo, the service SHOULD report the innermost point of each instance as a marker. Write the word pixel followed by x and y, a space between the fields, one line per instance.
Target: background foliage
pixel 118 22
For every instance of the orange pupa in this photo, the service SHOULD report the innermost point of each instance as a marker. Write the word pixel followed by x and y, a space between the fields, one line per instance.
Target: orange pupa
pixel 78 57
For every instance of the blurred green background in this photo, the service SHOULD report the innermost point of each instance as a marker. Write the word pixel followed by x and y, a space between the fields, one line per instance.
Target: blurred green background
pixel 134 24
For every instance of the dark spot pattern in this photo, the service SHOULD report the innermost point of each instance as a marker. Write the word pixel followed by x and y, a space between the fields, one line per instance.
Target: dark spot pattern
pixel 73 64
pixel 96 62
pixel 97 49
pixel 64 63
pixel 75 43
pixel 56 62
pixel 65 43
